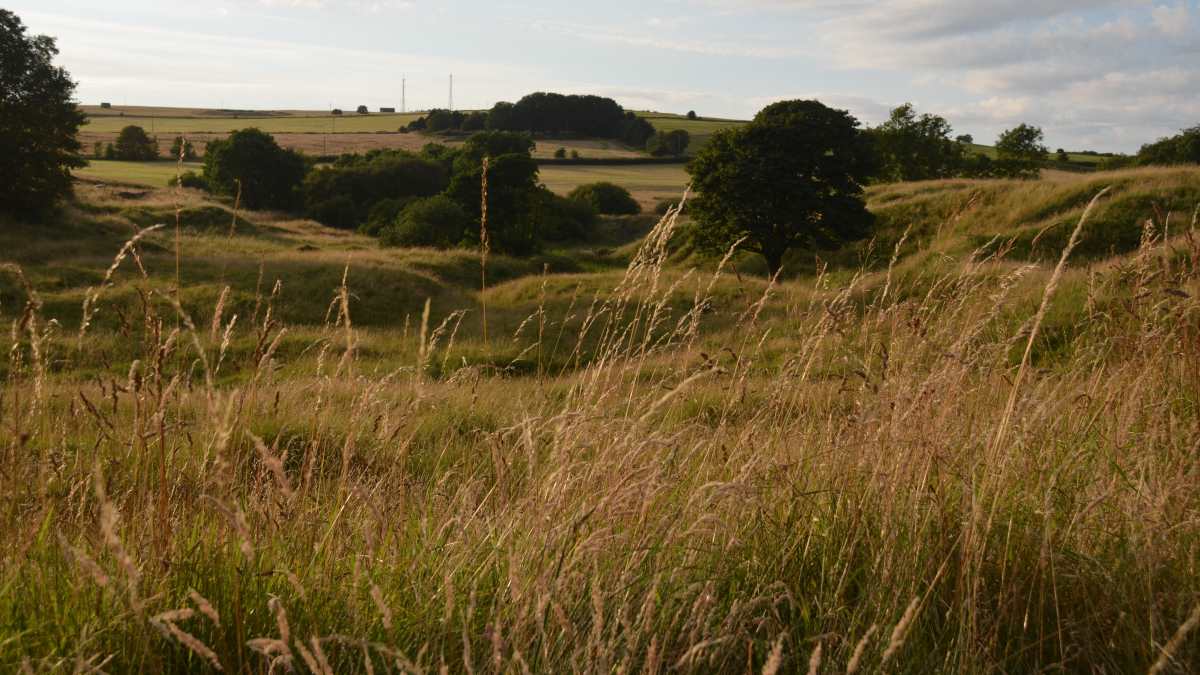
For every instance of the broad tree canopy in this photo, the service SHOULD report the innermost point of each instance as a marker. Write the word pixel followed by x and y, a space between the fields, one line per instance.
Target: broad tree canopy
pixel 38 121
pixel 793 177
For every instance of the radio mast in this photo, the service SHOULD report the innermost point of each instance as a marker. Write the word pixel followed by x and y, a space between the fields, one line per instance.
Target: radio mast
pixel 451 92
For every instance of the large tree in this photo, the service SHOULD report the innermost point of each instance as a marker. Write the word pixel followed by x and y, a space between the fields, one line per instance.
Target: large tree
pixel 793 177
pixel 1183 148
pixel 917 147
pixel 38 121
pixel 270 176
pixel 135 145
pixel 1020 152
pixel 512 189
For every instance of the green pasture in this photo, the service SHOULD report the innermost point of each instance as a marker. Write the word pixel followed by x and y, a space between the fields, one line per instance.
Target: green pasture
pixel 154 174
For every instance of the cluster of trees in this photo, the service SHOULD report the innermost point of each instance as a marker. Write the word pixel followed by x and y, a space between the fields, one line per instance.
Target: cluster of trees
pixel 664 143
pixel 345 194
pixel 793 177
pixel 547 114
pixel 431 198
pixel 133 144
pixel 912 146
pixel 1182 148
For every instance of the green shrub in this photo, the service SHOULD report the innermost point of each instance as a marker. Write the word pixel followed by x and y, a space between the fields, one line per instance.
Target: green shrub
pixel 135 145
pixel 665 205
pixel 252 163
pixel 666 143
pixel 436 221
pixel 607 198
pixel 188 179
pixel 562 219
pixel 365 181
pixel 337 211
pixel 383 215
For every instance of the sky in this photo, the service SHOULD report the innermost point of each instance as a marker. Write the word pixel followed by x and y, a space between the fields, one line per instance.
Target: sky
pixel 1094 74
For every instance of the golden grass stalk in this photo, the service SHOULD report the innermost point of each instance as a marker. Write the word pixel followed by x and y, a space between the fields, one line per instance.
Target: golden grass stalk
pixel 1168 651
pixel 859 649
pixel 900 632
pixel 775 659
pixel 485 246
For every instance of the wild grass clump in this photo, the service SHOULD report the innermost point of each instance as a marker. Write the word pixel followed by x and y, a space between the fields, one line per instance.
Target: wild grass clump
pixel 863 472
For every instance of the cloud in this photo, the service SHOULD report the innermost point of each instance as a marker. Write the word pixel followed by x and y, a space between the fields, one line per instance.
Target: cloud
pixel 658 40
pixel 372 6
pixel 1090 71
pixel 1173 21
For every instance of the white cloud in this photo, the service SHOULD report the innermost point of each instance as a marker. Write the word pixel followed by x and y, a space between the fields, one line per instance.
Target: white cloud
pixel 1173 21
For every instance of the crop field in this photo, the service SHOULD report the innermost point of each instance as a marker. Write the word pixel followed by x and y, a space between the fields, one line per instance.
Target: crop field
pixel 648 183
pixel 243 442
pixel 309 123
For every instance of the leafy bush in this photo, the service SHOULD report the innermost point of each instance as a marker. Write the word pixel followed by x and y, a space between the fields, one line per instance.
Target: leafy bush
pixel 435 221
pixel 135 145
pixel 495 144
pixel 180 144
pixel 188 179
pixel 1183 148
pixel 563 219
pixel 607 198
pixel 665 205
pixel 560 153
pixel 476 121
pixel 666 143
pixel 913 147
pixel 383 215
pixel 344 195
pixel 1020 152
pixel 270 176
pixel 337 211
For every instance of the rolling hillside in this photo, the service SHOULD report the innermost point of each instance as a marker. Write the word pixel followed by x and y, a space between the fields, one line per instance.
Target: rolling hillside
pixel 240 438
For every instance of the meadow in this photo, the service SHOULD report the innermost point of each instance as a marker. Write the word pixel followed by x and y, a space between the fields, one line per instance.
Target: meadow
pixel 244 442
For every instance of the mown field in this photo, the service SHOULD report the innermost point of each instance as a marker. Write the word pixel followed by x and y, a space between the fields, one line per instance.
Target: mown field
pixel 246 442
pixel 149 174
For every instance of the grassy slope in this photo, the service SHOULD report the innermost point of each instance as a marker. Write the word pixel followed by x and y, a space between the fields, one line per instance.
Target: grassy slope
pixel 700 130
pixel 833 462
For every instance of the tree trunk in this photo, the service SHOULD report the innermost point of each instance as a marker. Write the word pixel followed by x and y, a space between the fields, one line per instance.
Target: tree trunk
pixel 774 258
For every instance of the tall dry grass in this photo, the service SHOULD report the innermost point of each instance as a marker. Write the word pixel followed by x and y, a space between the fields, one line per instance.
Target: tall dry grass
pixel 914 476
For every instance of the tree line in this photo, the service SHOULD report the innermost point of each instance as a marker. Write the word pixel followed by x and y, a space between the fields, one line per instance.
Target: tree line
pixel 560 116
pixel 427 198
